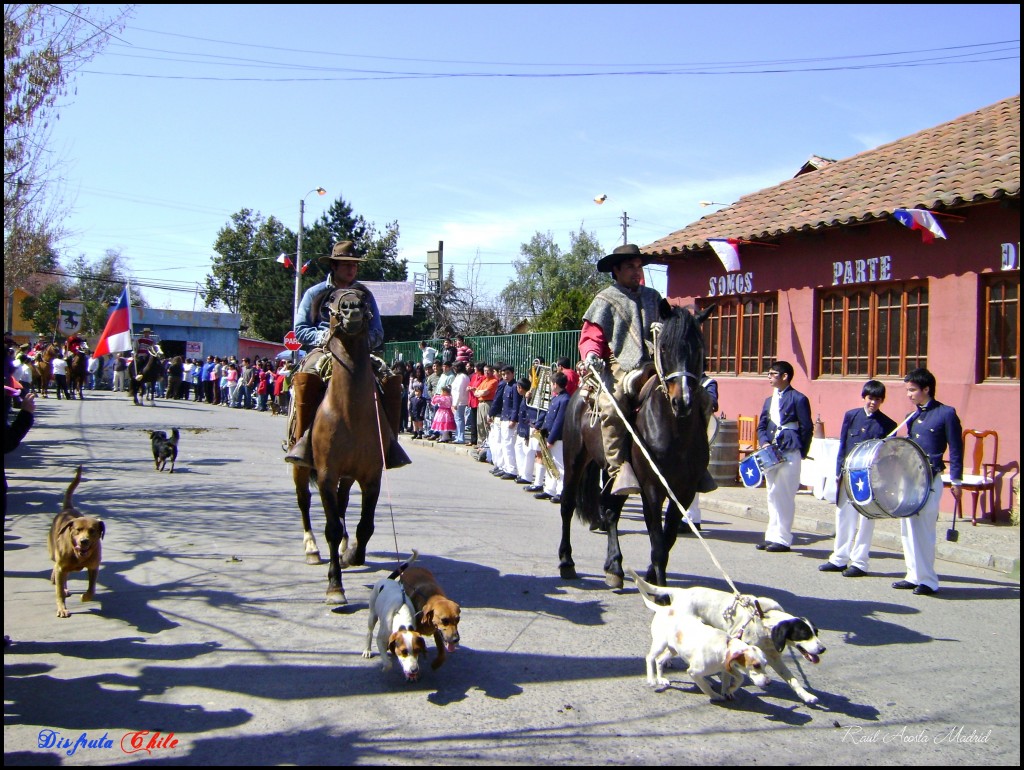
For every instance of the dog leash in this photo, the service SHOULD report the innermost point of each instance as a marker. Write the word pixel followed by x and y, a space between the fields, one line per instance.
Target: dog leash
pixel 664 482
pixel 384 469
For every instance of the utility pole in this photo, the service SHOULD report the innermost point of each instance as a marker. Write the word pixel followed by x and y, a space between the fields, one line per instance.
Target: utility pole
pixel 625 229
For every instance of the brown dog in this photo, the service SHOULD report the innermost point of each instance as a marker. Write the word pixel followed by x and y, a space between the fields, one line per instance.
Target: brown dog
pixel 74 544
pixel 435 613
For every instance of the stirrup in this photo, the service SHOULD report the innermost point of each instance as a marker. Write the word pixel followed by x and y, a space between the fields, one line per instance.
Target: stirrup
pixel 625 482
pixel 301 453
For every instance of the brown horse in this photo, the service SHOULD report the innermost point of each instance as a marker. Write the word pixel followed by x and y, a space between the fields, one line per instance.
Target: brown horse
pixel 348 433
pixel 77 373
pixel 42 369
pixel 670 421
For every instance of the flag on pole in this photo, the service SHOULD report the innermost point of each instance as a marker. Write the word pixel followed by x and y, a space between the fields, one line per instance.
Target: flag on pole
pixel 284 260
pixel 305 267
pixel 919 219
pixel 117 334
pixel 728 251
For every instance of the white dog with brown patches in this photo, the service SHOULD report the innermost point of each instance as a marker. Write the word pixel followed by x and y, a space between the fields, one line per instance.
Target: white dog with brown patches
pixel 397 636
pixel 759 621
pixel 707 651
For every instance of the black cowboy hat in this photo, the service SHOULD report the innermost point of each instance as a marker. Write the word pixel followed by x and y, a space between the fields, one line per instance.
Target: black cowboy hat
pixel 621 254
pixel 343 251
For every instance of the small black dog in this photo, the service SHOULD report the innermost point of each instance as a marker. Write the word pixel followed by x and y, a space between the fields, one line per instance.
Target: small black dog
pixel 164 448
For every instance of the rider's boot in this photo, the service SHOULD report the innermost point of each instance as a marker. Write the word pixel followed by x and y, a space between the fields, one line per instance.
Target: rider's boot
pixel 307 392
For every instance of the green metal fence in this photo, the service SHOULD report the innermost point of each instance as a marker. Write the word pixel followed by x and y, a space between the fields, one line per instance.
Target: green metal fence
pixel 519 350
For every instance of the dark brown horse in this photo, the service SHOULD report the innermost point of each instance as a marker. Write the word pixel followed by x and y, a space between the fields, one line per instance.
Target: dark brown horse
pixel 348 433
pixel 145 368
pixel 77 373
pixel 669 420
pixel 42 369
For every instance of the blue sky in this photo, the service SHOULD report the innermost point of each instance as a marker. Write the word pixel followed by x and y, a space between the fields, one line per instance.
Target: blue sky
pixel 482 125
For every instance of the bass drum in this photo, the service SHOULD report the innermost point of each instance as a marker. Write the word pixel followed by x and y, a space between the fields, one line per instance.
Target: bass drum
pixel 887 478
pixel 713 428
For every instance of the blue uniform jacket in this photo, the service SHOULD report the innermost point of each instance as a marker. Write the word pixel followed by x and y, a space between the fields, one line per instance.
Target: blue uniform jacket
pixel 307 328
pixel 510 400
pixel 555 418
pixel 935 428
pixel 859 426
pixel 793 408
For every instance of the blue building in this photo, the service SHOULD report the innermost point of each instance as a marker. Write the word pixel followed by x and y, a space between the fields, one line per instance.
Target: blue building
pixel 190 334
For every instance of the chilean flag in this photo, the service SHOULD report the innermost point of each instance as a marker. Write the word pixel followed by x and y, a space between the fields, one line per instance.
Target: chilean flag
pixel 919 219
pixel 728 251
pixel 305 267
pixel 117 334
pixel 284 260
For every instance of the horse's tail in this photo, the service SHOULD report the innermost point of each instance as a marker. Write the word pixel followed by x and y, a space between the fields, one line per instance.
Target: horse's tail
pixel 588 495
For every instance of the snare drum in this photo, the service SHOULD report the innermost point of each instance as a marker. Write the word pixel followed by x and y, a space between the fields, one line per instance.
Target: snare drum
pixel 768 458
pixel 887 478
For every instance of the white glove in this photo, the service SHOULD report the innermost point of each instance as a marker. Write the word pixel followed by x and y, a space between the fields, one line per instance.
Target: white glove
pixel 594 361
pixel 656 327
pixel 322 336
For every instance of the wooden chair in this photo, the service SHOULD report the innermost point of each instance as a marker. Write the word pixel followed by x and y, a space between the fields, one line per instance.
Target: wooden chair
pixel 979 472
pixel 747 429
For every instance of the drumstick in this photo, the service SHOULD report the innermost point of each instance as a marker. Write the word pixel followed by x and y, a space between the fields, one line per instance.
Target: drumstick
pixel 910 417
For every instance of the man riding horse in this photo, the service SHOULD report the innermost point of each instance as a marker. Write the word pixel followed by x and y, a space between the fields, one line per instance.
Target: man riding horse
pixel 312 327
pixel 614 341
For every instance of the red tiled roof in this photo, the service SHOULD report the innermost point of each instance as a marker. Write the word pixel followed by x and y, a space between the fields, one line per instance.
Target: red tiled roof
pixel 972 159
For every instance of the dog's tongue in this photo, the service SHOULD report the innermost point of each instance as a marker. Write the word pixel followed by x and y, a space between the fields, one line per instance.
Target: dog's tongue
pixel 811 657
pixel 451 646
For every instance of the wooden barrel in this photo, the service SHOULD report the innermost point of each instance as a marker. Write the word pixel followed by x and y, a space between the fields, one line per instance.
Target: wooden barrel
pixel 725 454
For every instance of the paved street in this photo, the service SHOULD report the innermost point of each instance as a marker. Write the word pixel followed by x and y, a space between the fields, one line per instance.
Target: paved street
pixel 208 625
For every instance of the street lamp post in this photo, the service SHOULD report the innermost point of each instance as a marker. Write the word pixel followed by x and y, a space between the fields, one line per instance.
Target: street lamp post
pixel 298 251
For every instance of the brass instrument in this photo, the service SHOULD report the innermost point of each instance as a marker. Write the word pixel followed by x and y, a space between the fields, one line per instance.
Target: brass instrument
pixel 540 399
pixel 546 457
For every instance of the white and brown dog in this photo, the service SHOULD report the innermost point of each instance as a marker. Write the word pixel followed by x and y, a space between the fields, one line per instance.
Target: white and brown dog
pixel 436 614
pixel 74 543
pixel 760 621
pixel 706 650
pixel 397 637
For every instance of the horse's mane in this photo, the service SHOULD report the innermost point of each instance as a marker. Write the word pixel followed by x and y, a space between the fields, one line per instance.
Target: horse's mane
pixel 682 341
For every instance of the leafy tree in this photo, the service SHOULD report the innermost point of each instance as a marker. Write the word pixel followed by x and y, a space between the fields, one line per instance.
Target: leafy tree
pixel 44 46
pixel 547 278
pixel 96 284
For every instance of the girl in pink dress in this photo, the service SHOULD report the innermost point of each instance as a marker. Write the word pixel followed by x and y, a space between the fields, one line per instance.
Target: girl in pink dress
pixel 444 417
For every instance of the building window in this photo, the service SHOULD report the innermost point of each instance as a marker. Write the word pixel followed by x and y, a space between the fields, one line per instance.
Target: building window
pixel 878 331
pixel 1001 335
pixel 741 334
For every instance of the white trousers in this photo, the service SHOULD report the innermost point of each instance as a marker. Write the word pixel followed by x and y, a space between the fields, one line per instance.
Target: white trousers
pixel 552 485
pixel 539 471
pixel 853 544
pixel 783 483
pixel 694 510
pixel 918 535
pixel 507 437
pixel 524 458
pixel 494 444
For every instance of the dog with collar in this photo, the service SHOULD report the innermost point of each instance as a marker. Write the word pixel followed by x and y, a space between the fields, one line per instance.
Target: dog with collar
pixel 436 614
pixel 397 637
pixel 758 621
pixel 706 650
pixel 74 543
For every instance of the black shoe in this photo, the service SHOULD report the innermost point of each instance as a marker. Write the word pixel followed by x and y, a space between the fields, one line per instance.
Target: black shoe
pixel 831 567
pixel 904 585
pixel 776 548
pixel 508 476
pixel 762 546
pixel 923 591
pixel 685 529
pixel 556 499
pixel 496 471
pixel 533 488
pixel 852 571
pixel 542 496
pixel 521 480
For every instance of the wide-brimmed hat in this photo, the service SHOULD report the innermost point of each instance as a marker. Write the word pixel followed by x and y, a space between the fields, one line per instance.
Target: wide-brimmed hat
pixel 343 251
pixel 621 254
